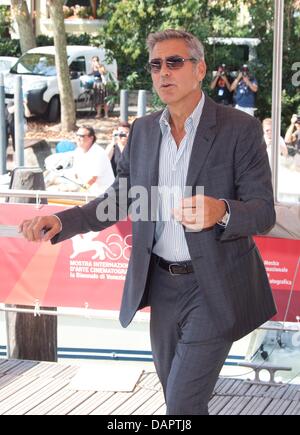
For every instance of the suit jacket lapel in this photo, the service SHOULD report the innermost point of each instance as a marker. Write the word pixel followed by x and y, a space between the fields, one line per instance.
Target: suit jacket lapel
pixel 205 135
pixel 154 141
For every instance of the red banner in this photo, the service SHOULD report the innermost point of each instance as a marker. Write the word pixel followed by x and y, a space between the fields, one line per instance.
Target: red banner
pixel 281 258
pixel 89 270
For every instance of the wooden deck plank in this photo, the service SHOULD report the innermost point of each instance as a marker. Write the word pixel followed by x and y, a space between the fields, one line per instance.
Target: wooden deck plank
pixel 235 406
pixel 51 402
pixel 257 390
pixel 6 380
pixel 238 388
pixel 8 365
pixel 69 405
pixel 136 400
pixel 38 397
pixel 292 392
pixel 91 403
pixel 19 396
pixel 277 407
pixel 14 385
pixel 161 411
pixel 22 368
pixel 256 406
pixel 152 405
pixel 111 404
pixel 48 369
pixel 150 381
pixel 296 410
pixel 226 386
pixel 217 404
pixel 293 409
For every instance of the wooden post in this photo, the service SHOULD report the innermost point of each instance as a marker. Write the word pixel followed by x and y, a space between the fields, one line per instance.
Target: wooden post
pixel 29 337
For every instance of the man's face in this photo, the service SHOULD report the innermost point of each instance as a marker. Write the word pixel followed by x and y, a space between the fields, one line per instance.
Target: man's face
pixel 123 133
pixel 268 133
pixel 84 140
pixel 174 86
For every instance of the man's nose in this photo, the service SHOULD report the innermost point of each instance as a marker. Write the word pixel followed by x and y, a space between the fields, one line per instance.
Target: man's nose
pixel 165 71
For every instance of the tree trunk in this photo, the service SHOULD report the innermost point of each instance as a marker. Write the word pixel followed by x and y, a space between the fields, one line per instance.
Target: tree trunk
pixel 94 8
pixel 21 15
pixel 68 114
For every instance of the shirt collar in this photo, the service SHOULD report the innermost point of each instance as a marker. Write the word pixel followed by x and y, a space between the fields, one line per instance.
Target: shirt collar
pixel 193 119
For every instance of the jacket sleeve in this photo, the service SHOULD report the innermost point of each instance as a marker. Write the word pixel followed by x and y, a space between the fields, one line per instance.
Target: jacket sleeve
pixel 103 211
pixel 252 210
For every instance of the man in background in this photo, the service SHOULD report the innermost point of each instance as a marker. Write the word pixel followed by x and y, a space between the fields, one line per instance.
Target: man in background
pixel 245 88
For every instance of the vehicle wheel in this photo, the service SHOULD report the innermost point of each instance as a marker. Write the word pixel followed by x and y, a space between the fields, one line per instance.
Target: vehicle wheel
pixel 53 113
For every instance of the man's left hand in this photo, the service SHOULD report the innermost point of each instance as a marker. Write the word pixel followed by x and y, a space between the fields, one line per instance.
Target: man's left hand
pixel 199 212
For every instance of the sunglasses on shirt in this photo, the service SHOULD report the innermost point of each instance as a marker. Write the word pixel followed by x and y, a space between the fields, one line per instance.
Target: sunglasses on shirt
pixel 172 62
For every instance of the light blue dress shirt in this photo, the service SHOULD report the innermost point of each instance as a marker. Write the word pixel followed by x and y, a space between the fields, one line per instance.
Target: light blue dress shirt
pixel 170 242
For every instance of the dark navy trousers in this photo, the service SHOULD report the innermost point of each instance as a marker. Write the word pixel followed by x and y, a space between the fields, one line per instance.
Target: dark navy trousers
pixel 188 351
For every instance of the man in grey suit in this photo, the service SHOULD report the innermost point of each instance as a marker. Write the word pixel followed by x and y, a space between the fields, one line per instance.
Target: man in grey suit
pixel 198 269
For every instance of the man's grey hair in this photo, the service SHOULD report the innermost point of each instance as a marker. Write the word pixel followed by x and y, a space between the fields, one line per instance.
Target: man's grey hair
pixel 195 46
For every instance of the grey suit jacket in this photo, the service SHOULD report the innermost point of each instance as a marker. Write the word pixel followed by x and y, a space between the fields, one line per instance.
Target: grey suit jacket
pixel 229 159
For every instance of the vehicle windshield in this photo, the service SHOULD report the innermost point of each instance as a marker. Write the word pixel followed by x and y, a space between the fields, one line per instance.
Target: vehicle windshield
pixel 35 64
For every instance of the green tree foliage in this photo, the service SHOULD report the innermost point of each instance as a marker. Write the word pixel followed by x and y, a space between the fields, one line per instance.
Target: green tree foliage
pixel 8 47
pixel 130 21
pixel 5 22
pixel 261 26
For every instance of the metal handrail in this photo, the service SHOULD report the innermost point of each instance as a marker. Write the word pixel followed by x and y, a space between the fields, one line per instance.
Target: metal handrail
pixel 41 194
pixel 89 313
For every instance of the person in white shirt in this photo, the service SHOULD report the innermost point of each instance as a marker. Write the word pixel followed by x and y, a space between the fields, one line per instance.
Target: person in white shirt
pixel 91 168
pixel 267 128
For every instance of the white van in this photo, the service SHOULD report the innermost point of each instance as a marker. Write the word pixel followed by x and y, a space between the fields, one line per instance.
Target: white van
pixel 40 86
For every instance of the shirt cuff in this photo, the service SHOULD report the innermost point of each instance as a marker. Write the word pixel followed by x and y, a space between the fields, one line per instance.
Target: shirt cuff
pixel 220 223
pixel 59 222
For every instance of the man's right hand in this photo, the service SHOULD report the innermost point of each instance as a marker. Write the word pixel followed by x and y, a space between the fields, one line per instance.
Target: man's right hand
pixel 294 119
pixel 41 228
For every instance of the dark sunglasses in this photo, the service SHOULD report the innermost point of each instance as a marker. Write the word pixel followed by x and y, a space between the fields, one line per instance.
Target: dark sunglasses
pixel 82 135
pixel 172 62
pixel 121 134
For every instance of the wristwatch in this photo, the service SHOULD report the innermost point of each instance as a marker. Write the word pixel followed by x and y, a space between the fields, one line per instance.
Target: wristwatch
pixel 225 218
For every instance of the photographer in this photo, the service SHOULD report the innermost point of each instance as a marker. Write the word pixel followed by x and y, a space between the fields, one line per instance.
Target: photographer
pixel 221 86
pixel 245 88
pixel 292 138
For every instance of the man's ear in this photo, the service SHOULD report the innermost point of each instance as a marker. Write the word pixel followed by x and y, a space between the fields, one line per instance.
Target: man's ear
pixel 201 69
